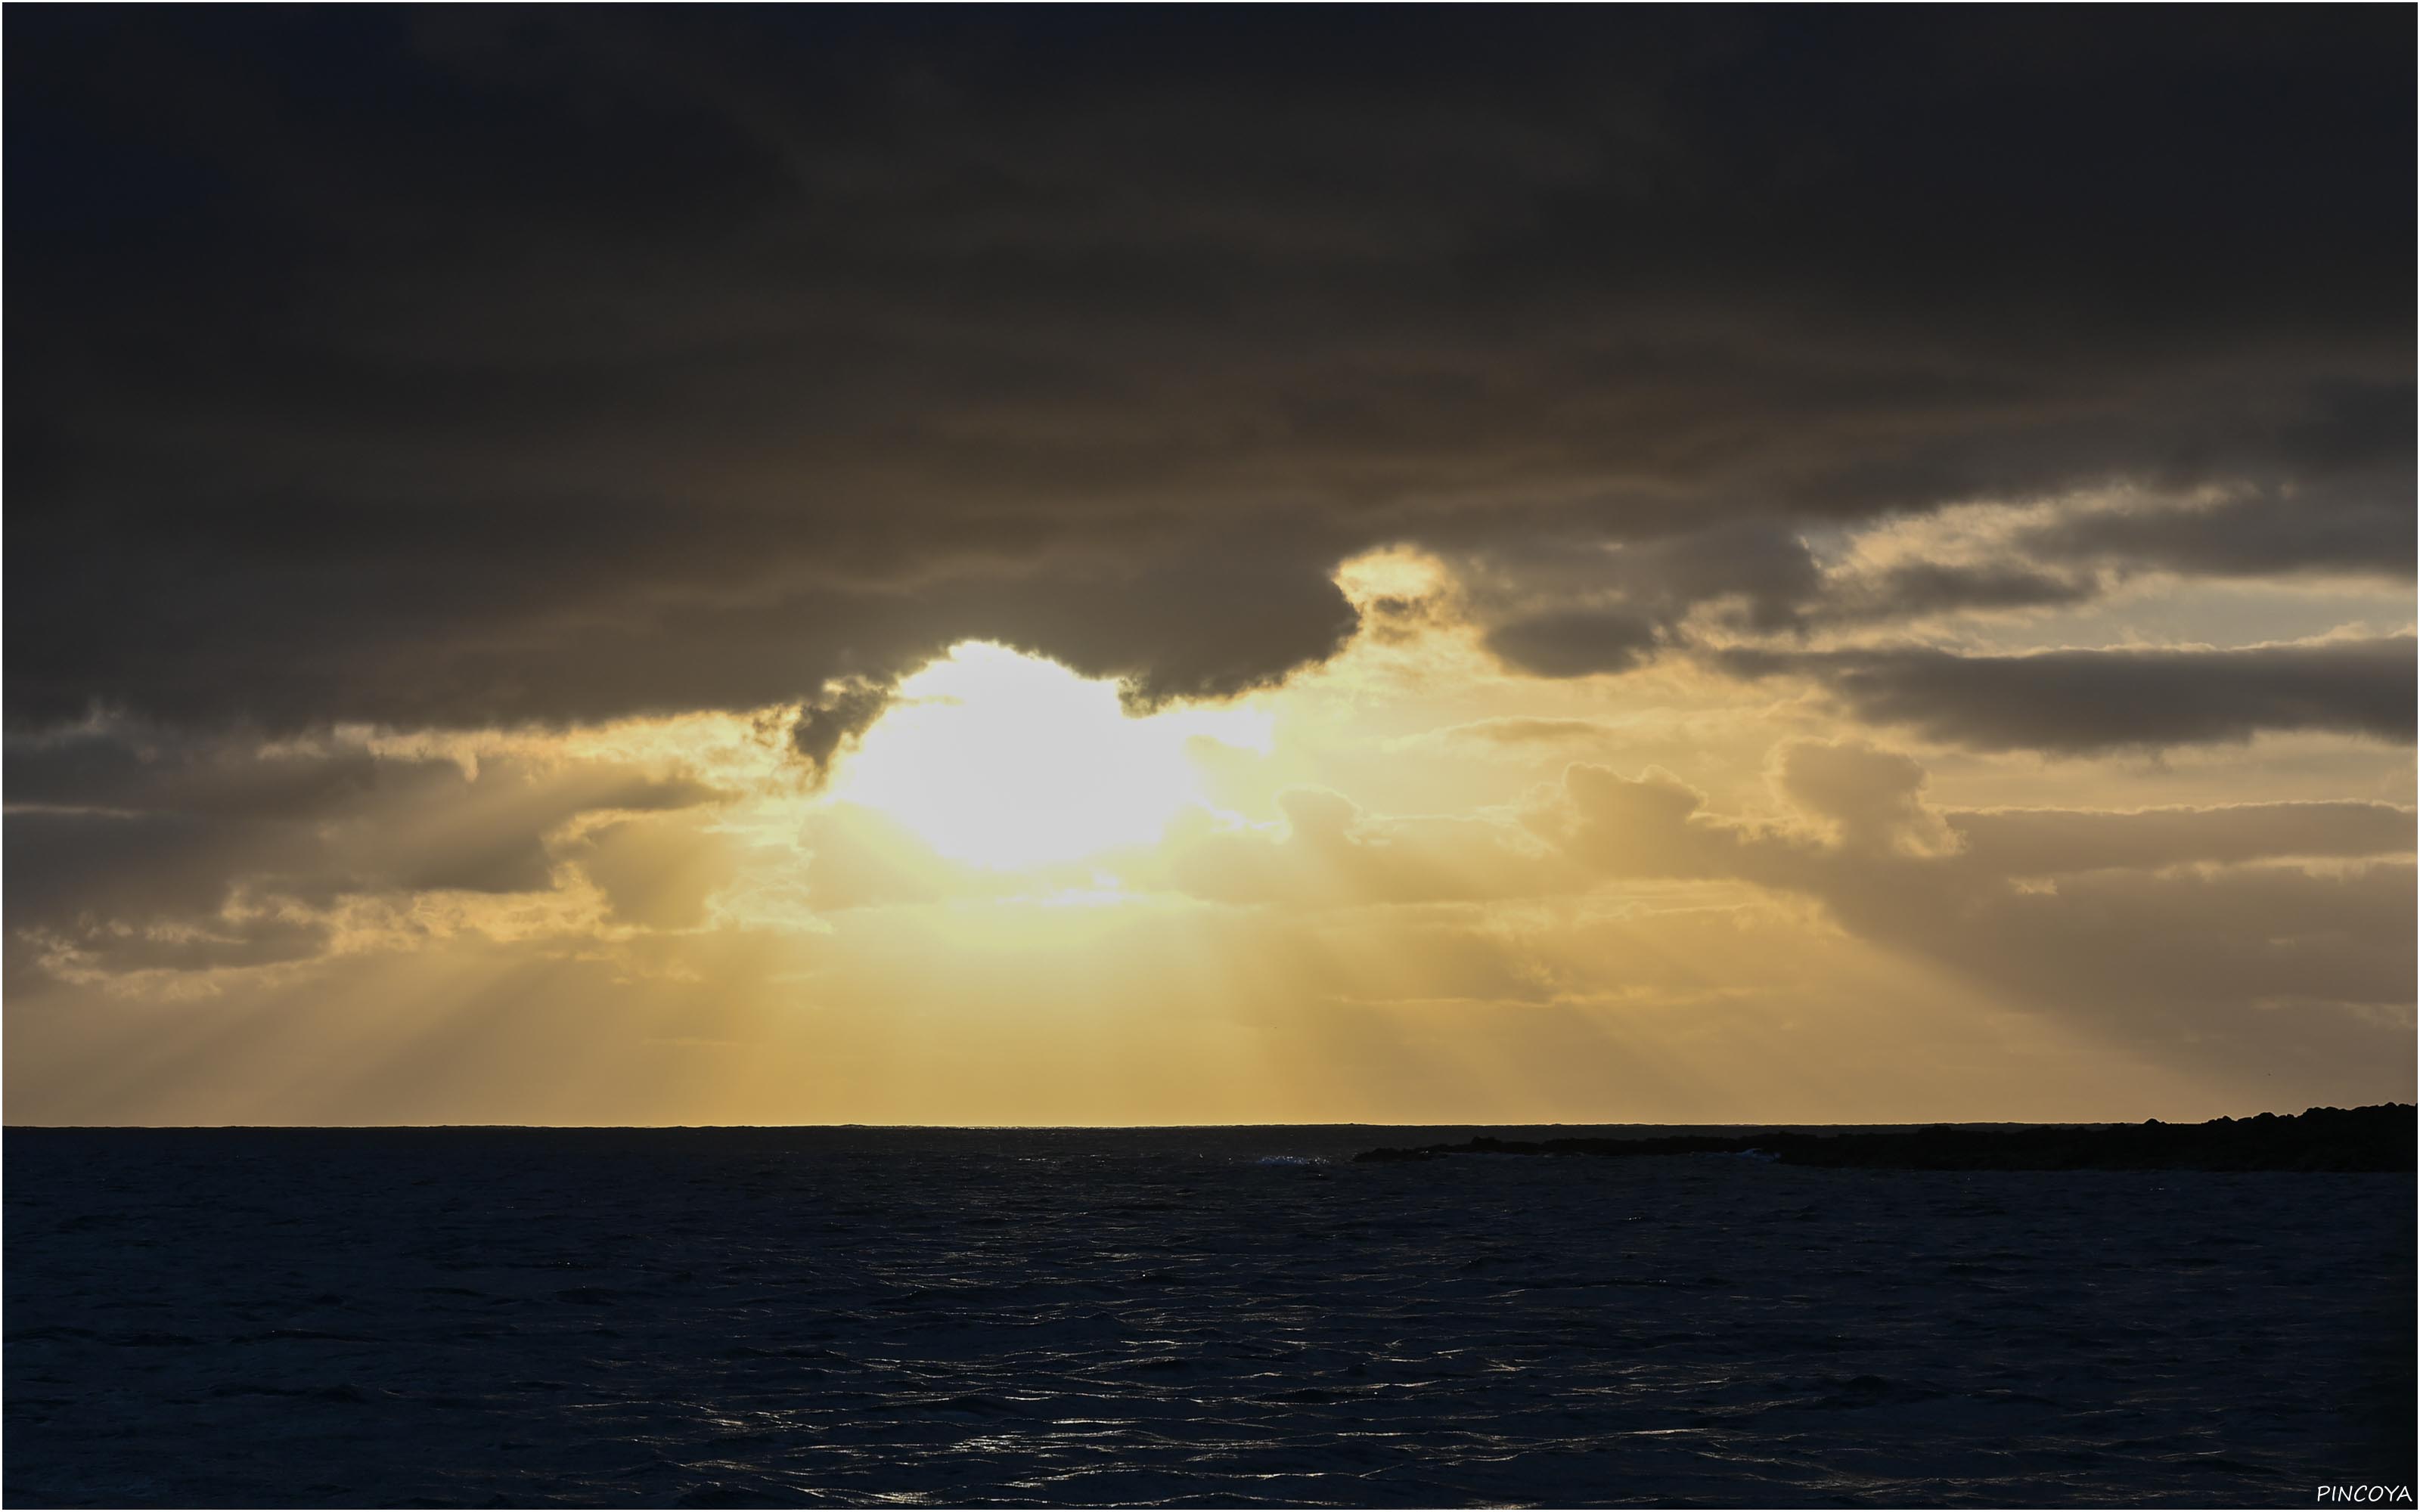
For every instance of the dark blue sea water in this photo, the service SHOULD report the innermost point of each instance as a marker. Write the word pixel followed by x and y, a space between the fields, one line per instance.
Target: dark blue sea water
pixel 763 1316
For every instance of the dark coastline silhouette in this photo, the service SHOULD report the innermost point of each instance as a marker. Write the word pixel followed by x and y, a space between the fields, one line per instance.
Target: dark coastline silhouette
pixel 2377 1138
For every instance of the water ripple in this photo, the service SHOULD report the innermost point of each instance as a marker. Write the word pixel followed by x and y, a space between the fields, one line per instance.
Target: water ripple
pixel 1173 1317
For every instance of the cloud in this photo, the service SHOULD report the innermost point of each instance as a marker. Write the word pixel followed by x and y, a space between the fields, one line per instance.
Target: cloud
pixel 1566 605
pixel 753 354
pixel 1872 800
pixel 842 712
pixel 144 850
pixel 1574 642
pixel 2085 702
pixel 1916 590
pixel 65 866
pixel 483 379
pixel 656 873
pixel 2194 930
pixel 1515 730
pixel 2357 526
pixel 228 942
pixel 2025 842
pixel 138 770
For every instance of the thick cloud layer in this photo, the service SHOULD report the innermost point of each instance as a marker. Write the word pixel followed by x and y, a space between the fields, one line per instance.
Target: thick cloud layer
pixel 456 367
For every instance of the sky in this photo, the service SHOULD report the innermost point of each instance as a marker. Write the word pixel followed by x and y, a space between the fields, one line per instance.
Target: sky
pixel 1103 565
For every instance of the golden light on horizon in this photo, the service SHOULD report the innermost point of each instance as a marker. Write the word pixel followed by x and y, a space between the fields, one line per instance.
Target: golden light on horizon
pixel 1002 760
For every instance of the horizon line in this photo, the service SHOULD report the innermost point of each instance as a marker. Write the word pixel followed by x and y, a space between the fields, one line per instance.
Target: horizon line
pixel 1108 1128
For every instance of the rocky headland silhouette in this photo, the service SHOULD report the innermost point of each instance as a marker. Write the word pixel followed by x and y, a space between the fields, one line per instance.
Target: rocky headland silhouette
pixel 2376 1138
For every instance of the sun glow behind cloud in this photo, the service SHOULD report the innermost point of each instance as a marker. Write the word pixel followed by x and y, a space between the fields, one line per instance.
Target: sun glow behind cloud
pixel 1374 892
pixel 998 758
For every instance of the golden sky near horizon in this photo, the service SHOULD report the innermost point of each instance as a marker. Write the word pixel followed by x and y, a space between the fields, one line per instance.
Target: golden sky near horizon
pixel 1406 886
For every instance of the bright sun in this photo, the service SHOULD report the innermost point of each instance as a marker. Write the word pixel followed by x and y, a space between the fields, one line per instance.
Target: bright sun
pixel 1004 760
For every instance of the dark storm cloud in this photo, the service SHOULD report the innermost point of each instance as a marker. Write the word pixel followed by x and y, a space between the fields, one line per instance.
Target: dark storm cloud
pixel 462 366
pixel 2078 702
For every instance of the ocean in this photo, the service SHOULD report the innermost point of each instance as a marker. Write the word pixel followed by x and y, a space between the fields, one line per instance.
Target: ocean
pixel 1173 1317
